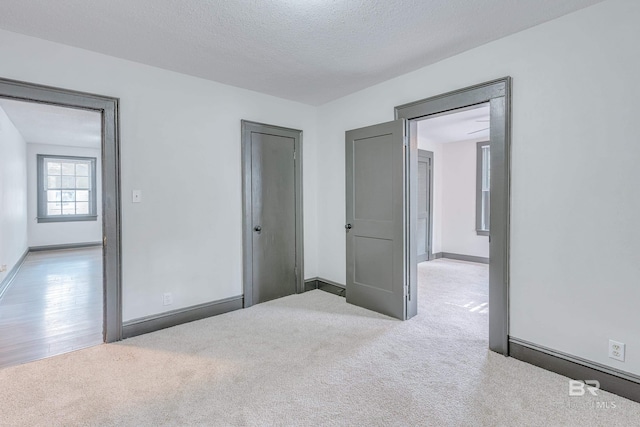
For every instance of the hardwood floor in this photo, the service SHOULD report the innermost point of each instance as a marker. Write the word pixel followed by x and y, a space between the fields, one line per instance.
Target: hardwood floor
pixel 53 306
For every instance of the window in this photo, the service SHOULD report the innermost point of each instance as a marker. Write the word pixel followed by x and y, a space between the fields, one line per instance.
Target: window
pixel 483 173
pixel 66 188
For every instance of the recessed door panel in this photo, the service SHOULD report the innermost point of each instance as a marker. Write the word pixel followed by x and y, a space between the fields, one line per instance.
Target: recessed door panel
pixel 373 260
pixel 373 178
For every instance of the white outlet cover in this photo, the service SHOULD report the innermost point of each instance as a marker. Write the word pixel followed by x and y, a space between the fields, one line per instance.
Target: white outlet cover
pixel 616 350
pixel 136 196
pixel 167 298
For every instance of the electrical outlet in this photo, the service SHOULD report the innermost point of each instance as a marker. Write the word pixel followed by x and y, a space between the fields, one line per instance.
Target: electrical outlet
pixel 167 298
pixel 616 350
pixel 136 196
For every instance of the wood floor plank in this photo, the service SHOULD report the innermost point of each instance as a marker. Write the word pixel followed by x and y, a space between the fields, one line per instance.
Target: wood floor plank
pixel 54 305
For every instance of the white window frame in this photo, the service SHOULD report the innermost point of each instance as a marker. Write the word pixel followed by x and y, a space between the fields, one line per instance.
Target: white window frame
pixel 483 184
pixel 43 215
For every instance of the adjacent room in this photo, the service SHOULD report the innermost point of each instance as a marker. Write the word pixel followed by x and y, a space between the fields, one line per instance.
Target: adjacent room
pixel 51 217
pixel 453 215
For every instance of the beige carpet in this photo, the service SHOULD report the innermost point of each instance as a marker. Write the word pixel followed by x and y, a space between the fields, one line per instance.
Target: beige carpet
pixel 309 359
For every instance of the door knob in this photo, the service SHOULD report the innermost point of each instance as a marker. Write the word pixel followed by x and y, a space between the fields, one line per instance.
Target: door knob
pixel 257 228
pixel 348 226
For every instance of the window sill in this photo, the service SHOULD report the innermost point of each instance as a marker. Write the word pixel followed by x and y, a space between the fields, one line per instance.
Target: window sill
pixel 67 218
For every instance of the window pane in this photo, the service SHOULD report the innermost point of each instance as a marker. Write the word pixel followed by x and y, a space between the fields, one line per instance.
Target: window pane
pixel 53 209
pixel 68 196
pixel 53 196
pixel 82 196
pixel 68 182
pixel 82 208
pixel 53 168
pixel 82 169
pixel 486 169
pixel 82 182
pixel 485 210
pixel 53 182
pixel 68 169
pixel 483 186
pixel 68 208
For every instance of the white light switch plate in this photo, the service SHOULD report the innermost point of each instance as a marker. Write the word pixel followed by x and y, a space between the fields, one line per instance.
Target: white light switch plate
pixel 136 196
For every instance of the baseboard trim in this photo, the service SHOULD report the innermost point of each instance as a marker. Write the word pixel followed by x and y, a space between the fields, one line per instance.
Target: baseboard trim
pixel 64 246
pixel 325 285
pixel 4 285
pixel 613 380
pixel 460 257
pixel 145 325
pixel 310 284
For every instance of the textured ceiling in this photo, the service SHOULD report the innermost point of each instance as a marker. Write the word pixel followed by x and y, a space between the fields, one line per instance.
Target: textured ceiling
pixel 465 125
pixel 310 51
pixel 48 124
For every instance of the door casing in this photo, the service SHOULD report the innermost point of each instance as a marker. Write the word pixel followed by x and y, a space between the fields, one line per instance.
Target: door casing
pixel 498 94
pixel 108 107
pixel 247 128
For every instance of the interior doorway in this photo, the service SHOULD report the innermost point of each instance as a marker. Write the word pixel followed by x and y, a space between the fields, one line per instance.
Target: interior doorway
pixel 272 207
pixel 54 303
pixel 453 276
pixel 392 148
pixel 497 94
pixel 62 286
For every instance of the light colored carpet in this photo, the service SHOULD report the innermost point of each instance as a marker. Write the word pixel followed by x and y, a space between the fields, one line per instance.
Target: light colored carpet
pixel 309 359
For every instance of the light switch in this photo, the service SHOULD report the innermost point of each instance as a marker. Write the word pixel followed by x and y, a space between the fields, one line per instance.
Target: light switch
pixel 136 196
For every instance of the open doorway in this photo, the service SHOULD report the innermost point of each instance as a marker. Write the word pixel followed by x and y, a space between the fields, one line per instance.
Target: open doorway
pixel 60 222
pixel 54 303
pixel 453 218
pixel 382 168
pixel 496 155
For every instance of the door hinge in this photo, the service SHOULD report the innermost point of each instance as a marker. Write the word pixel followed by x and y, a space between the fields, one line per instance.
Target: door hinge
pixel 294 154
pixel 104 241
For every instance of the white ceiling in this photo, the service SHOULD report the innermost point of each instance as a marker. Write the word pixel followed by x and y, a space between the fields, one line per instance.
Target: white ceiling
pixel 311 51
pixel 457 126
pixel 49 124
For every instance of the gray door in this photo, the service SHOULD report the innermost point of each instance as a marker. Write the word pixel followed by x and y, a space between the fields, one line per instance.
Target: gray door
pixel 425 197
pixel 375 165
pixel 273 216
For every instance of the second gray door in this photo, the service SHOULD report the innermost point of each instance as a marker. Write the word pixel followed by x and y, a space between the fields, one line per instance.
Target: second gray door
pixel 425 197
pixel 273 216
